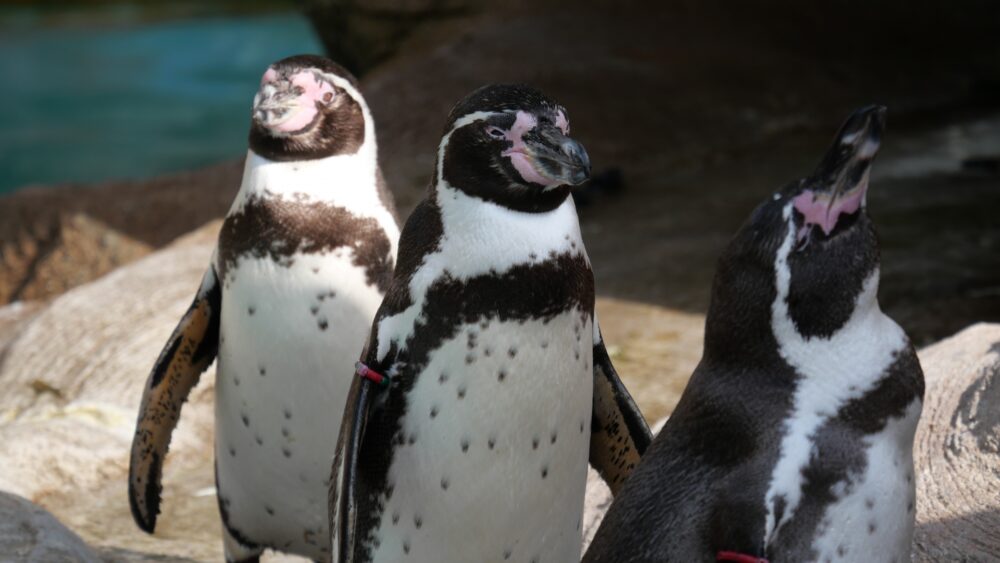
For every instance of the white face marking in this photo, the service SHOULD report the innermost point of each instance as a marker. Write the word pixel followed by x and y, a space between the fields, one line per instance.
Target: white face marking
pixel 833 371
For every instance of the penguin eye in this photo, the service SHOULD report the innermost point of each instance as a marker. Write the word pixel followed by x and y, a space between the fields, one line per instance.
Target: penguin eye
pixel 327 97
pixel 495 132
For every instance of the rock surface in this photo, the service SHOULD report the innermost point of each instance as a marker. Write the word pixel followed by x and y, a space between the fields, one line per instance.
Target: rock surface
pixel 72 381
pixel 29 533
pixel 958 449
pixel 74 372
pixel 56 238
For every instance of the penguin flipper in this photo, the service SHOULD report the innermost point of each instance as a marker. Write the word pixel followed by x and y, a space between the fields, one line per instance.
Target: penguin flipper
pixel 189 351
pixel 619 433
pixel 342 504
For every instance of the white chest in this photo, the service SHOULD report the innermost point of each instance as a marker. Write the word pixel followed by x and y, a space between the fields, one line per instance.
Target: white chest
pixel 874 514
pixel 497 434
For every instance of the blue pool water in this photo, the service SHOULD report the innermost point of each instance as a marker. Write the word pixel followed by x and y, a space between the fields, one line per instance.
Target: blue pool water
pixel 81 103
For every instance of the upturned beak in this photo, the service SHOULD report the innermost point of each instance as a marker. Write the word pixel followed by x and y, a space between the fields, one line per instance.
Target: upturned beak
pixel 555 157
pixel 839 185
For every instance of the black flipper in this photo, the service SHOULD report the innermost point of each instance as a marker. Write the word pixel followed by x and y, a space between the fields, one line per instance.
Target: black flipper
pixel 189 351
pixel 343 490
pixel 619 433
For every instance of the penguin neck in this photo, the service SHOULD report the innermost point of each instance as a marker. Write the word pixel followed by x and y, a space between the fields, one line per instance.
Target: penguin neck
pixel 348 181
pixel 843 358
pixel 476 221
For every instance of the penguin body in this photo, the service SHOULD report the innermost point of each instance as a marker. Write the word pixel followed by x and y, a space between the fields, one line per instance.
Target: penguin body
pixel 303 259
pixel 793 440
pixel 477 448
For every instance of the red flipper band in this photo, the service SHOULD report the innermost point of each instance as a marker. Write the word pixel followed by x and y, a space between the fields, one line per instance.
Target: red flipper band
pixel 375 377
pixel 738 557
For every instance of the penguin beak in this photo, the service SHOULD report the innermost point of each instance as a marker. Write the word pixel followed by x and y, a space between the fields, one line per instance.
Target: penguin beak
pixel 275 103
pixel 550 158
pixel 839 185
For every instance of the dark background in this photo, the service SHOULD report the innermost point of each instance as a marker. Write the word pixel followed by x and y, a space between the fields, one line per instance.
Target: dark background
pixel 692 111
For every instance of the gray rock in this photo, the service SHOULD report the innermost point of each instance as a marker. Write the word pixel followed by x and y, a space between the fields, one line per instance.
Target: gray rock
pixel 958 449
pixel 29 533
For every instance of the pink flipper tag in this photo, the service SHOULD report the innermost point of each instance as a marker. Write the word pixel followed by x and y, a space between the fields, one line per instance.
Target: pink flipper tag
pixel 518 153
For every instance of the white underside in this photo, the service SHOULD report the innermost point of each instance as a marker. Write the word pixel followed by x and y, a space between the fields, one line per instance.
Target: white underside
pixel 834 371
pixel 294 408
pixel 873 519
pixel 494 504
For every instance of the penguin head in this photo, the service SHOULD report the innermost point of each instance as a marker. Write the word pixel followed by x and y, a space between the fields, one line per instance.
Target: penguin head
pixel 810 246
pixel 510 145
pixel 307 107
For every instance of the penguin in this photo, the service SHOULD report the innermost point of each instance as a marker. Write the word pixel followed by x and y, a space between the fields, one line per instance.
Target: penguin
pixel 485 386
pixel 303 259
pixel 793 440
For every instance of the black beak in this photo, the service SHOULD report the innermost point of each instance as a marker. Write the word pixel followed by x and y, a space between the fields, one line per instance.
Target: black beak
pixel 839 186
pixel 558 157
pixel 849 158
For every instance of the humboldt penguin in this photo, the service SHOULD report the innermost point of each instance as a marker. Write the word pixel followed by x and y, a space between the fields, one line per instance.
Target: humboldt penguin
pixel 303 260
pixel 485 386
pixel 793 441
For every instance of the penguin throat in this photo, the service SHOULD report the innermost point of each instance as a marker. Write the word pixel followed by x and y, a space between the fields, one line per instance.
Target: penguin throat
pixel 823 210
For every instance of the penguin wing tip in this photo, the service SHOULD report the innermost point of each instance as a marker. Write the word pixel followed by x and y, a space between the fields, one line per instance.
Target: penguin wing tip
pixel 146 521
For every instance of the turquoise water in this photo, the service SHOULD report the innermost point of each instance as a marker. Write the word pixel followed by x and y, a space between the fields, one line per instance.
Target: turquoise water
pixel 81 103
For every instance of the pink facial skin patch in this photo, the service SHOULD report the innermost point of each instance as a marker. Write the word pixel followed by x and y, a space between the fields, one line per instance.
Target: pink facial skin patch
pixel 269 76
pixel 823 210
pixel 519 152
pixel 302 110
pixel 562 123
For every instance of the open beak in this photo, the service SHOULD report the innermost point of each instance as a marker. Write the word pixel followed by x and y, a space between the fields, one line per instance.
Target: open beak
pixel 550 158
pixel 839 185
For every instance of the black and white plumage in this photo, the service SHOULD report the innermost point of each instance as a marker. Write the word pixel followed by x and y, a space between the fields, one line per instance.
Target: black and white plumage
pixel 304 257
pixel 501 388
pixel 793 440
